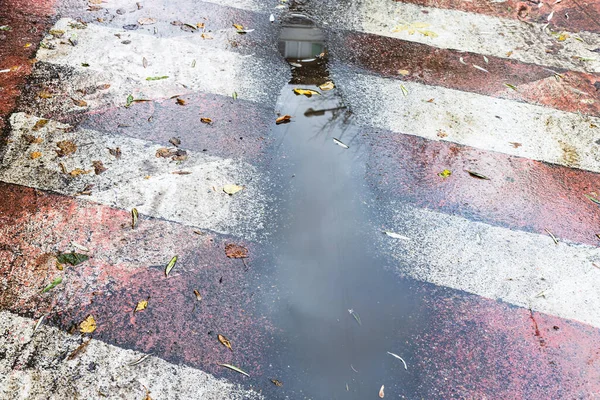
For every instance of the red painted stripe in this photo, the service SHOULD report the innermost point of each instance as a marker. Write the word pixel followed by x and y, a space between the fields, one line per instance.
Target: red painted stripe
pixel 535 84
pixel 477 348
pixel 521 193
pixel 28 20
pixel 127 266
pixel 570 15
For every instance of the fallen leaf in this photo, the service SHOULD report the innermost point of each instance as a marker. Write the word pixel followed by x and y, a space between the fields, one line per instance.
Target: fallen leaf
pixel 157 78
pixel 79 171
pixel 238 27
pixel 206 120
pixel 146 21
pixel 129 101
pixel 441 133
pixel 88 325
pixel 381 393
pixel 206 36
pixel 141 305
pixel 181 172
pixel 79 102
pixel 403 72
pixel 198 296
pixel 170 266
pixel 98 167
pixel 232 189
pixel 44 95
pixel 32 139
pixel 234 368
pixel 116 152
pixel 164 152
pixel 327 86
pixel 175 141
pixel 339 143
pixel 399 358
pixel 562 37
pixel 306 92
pixel 592 199
pixel 40 124
pixel 79 350
pixel 224 341
pixel 144 62
pixel 234 95
pixel 284 119
pixel 515 144
pixel 235 251
pixel 277 382
pixel 445 173
pixel 480 68
pixel 140 360
pixel 180 155
pixel 53 284
pixel 513 87
pixel 404 90
pixel 477 175
pixel 200 25
pixel 35 154
pixel 134 217
pixel 105 86
pixel 72 258
pixel 181 102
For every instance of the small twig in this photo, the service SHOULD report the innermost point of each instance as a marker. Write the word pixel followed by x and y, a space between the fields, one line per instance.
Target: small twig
pixel 399 358
pixel 552 236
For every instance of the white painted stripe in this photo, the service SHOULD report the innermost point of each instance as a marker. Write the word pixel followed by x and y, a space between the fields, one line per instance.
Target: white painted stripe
pixel 189 62
pixel 138 178
pixel 475 120
pixel 475 33
pixel 111 377
pixel 525 269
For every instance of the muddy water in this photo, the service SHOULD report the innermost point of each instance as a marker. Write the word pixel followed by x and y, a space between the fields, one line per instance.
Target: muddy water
pixel 336 308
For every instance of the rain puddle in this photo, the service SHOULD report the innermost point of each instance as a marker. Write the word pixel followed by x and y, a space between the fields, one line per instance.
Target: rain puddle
pixel 337 310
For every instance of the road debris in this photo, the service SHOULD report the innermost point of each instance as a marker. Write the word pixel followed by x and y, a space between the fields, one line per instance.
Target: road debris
pixel 170 266
pixel 234 368
pixel 399 358
pixel 53 284
pixel 224 341
pixel 340 143
pixel 88 325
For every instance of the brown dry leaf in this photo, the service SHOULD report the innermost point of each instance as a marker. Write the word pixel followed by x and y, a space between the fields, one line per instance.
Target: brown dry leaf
pixel 233 250
pixel 232 189
pixel 181 172
pixel 181 102
pixel 200 25
pixel 224 341
pixel 284 119
pixel 381 393
pixel 44 95
pixel 40 124
pixel 206 120
pixel 403 72
pixel 175 141
pixel 441 133
pixel 32 139
pixel 515 144
pixel 164 152
pixel 35 154
pixel 79 350
pixel 66 147
pixel 277 382
pixel 116 152
pixel 141 305
pixel 103 87
pixel 79 171
pixel 98 167
pixel 327 86
pixel 79 103
pixel 180 155
pixel 198 295
pixel 146 21
pixel 88 325
pixel 206 36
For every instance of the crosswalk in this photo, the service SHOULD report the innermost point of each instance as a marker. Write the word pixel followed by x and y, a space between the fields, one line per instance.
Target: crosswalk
pixel 513 99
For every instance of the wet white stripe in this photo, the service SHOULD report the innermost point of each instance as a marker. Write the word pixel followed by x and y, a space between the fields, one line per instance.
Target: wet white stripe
pixel 474 120
pixel 189 63
pixel 477 33
pixel 52 377
pixel 138 178
pixel 525 269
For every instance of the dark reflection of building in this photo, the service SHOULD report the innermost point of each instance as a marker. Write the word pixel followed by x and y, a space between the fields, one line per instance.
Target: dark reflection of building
pixel 301 43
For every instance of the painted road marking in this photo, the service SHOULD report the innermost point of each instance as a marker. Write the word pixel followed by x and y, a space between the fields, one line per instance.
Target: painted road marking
pixel 486 35
pixel 138 178
pixel 176 65
pixel 525 269
pixel 100 371
pixel 474 120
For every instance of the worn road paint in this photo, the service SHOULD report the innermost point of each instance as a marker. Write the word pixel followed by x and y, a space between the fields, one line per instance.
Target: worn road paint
pixel 474 120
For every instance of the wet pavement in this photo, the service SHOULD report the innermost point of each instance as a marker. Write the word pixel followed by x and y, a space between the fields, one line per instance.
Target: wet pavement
pixel 367 265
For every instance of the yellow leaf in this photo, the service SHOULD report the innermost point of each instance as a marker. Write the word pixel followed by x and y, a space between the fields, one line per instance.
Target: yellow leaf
pixel 200 25
pixel 206 120
pixel 284 119
pixel 403 72
pixel 141 305
pixel 88 325
pixel 306 92
pixel 79 171
pixel 232 189
pixel 206 36
pixel 134 217
pixel 327 86
pixel 238 27
pixel 225 342
pixel 27 45
pixel 35 154
pixel 445 173
pixel 428 33
pixel 44 95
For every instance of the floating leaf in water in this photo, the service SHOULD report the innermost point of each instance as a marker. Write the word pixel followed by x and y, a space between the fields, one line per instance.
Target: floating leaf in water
pixel 53 284
pixel 356 316
pixel 233 250
pixel 381 393
pixel 88 325
pixel 404 90
pixel 284 119
pixel 339 143
pixel 445 173
pixel 156 78
pixel 224 341
pixel 129 101
pixel 72 258
pixel 170 266
pixel 277 382
pixel 477 175
pixel 234 368
pixel 141 305
pixel 399 358
pixel 134 217
pixel 232 189
pixel 306 92
pixel 592 199
pixel 396 235
pixel 327 86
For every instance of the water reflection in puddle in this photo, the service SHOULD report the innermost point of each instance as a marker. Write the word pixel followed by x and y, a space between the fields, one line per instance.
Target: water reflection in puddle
pixel 323 262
